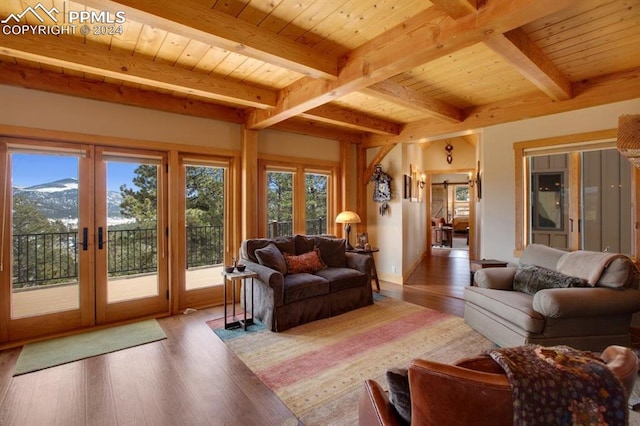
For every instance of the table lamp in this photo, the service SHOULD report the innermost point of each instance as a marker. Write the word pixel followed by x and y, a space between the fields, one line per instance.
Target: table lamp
pixel 348 217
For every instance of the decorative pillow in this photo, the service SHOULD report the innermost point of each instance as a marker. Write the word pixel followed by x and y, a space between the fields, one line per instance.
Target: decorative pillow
pixel 531 278
pixel 333 251
pixel 271 256
pixel 306 262
pixel 399 392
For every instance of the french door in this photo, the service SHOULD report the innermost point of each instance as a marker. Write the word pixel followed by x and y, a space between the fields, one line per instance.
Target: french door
pixel 84 239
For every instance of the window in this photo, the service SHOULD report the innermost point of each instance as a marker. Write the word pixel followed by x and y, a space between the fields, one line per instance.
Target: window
pixel 297 199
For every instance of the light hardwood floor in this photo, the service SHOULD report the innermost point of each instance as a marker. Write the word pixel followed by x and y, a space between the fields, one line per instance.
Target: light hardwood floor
pixel 191 378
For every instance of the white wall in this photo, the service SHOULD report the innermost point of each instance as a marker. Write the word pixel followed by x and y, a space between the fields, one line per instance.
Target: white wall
pixel 414 215
pixel 43 110
pixel 386 232
pixel 435 157
pixel 497 207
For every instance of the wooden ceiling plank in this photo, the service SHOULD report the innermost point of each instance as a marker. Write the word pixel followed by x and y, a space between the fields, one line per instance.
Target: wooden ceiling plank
pixel 517 49
pixel 402 95
pixel 98 60
pixel 331 114
pixel 54 82
pixel 424 37
pixel 298 125
pixel 588 93
pixel 198 22
pixel 456 8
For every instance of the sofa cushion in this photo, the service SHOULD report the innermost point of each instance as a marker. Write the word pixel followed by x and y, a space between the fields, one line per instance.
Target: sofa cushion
pixel 271 257
pixel 541 255
pixel 343 278
pixel 400 392
pixel 303 286
pixel 248 247
pixel 621 272
pixel 304 244
pixel 531 279
pixel 332 250
pixel 513 306
pixel 308 262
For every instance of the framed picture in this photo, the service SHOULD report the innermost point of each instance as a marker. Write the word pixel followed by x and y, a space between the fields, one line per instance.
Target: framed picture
pixel 363 239
pixel 407 186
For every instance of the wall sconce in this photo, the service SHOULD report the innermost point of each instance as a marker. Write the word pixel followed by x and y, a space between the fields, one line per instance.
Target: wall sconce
pixel 422 180
pixel 449 149
pixel 471 180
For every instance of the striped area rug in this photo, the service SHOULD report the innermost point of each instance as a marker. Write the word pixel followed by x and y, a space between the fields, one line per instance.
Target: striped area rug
pixel 318 369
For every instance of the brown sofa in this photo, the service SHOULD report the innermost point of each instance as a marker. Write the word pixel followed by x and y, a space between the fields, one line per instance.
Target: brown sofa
pixel 588 318
pixel 283 299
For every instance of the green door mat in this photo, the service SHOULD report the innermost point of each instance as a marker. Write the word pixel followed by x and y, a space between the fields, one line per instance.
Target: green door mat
pixel 49 353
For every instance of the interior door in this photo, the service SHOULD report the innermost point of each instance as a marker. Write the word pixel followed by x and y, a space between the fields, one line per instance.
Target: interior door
pixel 130 234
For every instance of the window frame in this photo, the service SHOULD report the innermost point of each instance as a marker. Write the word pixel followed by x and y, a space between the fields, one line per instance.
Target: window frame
pixel 571 144
pixel 299 167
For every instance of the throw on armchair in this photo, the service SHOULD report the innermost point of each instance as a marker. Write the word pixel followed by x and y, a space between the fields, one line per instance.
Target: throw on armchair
pixel 581 299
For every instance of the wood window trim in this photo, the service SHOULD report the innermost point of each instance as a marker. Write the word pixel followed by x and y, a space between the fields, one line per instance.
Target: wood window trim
pixel 299 167
pixel 568 143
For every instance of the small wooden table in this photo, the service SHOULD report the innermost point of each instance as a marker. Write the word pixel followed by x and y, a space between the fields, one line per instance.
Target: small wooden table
pixel 369 252
pixel 233 278
pixel 476 265
pixel 444 235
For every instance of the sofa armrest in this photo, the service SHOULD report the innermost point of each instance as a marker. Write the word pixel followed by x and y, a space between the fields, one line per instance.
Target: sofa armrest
pixel 361 262
pixel 495 278
pixel 268 277
pixel 374 407
pixel 586 302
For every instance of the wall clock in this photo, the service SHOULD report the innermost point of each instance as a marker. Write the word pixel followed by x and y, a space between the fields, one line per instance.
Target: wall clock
pixel 382 188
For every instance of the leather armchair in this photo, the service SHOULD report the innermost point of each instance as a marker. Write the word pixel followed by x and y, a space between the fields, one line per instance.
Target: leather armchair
pixel 473 391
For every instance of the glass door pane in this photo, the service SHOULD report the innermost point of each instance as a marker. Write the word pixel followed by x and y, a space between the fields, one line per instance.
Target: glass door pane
pixel 316 200
pixel 131 235
pixel 279 203
pixel 205 218
pixel 606 194
pixel 46 244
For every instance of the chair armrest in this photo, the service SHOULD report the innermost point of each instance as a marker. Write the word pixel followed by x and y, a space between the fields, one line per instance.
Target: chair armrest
pixel 495 278
pixel 586 302
pixel 270 278
pixel 361 262
pixel 374 407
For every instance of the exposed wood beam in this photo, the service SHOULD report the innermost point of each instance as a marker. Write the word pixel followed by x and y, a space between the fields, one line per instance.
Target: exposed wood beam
pixel 588 93
pixel 199 22
pixel 384 150
pixel 48 81
pixel 409 98
pixel 306 127
pixel 528 59
pixel 98 60
pixel 342 117
pixel 426 36
pixel 457 8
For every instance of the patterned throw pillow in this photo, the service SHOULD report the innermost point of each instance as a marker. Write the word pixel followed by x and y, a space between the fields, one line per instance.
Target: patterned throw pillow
pixel 307 262
pixel 531 278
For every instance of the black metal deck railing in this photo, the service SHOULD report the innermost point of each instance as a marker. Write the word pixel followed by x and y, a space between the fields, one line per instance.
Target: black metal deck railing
pixel 52 258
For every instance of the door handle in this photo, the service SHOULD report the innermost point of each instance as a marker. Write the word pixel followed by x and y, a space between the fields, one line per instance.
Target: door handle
pixel 85 241
pixel 570 225
pixel 100 236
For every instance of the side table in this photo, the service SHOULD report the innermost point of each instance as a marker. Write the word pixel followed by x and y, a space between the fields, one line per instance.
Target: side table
pixel 476 265
pixel 369 252
pixel 233 278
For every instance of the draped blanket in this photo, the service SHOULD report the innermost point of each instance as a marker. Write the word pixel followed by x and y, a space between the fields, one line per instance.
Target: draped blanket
pixel 560 385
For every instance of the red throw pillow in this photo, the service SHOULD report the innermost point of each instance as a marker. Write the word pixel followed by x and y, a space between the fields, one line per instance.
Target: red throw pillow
pixel 307 262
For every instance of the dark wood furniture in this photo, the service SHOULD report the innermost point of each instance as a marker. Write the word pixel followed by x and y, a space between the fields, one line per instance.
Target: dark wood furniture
pixel 374 272
pixel 476 265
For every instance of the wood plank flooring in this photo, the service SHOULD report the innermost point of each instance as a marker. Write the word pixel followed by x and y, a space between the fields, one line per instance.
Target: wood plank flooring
pixel 191 378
